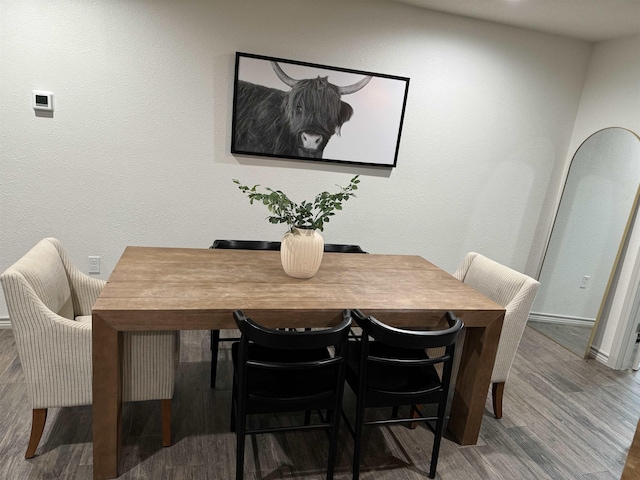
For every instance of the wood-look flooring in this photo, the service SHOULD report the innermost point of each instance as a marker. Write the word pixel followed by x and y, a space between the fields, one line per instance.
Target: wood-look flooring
pixel 564 418
pixel 573 337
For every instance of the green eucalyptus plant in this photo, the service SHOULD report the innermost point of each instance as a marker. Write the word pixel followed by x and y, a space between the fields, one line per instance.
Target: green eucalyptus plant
pixel 309 215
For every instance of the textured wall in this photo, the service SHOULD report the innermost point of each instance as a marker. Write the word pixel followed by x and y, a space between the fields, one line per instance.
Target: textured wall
pixel 137 151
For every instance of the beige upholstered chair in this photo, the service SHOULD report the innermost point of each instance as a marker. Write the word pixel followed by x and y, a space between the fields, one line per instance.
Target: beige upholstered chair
pixel 49 302
pixel 513 290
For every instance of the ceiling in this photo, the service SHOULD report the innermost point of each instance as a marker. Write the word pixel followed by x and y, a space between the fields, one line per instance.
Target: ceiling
pixel 590 20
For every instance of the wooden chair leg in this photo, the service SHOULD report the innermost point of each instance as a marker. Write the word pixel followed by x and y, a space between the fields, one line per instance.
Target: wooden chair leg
pixel 38 419
pixel 166 422
pixel 497 391
pixel 414 414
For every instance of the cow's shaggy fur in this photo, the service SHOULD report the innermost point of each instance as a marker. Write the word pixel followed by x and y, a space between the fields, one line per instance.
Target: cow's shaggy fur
pixel 273 121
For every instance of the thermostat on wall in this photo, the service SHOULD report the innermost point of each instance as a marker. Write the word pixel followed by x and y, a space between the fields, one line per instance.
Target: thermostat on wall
pixel 42 100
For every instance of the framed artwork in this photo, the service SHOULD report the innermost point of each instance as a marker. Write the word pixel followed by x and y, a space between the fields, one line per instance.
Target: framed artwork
pixel 290 109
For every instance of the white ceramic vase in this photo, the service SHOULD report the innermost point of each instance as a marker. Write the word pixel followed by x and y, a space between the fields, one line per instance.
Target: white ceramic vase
pixel 301 252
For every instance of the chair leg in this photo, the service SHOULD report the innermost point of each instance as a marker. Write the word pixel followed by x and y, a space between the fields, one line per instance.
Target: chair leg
pixel 394 412
pixel 240 441
pixel 414 414
pixel 241 424
pixel 166 422
pixel 497 391
pixel 215 340
pixel 357 444
pixel 435 451
pixel 234 393
pixel 38 419
pixel 333 443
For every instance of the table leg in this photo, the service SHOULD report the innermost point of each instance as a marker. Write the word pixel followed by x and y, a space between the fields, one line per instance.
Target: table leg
pixel 472 383
pixel 107 398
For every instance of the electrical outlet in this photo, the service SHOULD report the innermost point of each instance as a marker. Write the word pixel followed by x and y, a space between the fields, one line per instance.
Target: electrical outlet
pixel 585 281
pixel 94 264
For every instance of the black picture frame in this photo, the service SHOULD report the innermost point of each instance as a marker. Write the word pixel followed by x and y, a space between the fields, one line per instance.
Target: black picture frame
pixel 301 119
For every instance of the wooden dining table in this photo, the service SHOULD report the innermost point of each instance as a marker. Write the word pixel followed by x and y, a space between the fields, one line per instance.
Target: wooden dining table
pixel 155 288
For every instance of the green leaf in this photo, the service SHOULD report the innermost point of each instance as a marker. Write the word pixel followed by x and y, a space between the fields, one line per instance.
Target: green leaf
pixel 305 214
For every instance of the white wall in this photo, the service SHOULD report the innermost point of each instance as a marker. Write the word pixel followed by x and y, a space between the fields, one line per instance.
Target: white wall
pixel 137 151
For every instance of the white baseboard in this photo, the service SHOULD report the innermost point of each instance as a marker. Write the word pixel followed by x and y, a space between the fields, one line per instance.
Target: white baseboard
pixel 594 352
pixel 599 356
pixel 5 323
pixel 561 319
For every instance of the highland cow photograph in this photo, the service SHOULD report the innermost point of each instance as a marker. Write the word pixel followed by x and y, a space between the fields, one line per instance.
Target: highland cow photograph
pixel 290 109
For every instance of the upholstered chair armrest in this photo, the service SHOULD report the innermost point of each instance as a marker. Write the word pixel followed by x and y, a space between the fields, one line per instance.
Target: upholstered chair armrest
pixel 515 321
pixel 55 353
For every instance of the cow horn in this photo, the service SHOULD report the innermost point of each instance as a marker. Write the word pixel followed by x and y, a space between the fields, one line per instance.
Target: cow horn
pixel 283 76
pixel 355 87
pixel 346 90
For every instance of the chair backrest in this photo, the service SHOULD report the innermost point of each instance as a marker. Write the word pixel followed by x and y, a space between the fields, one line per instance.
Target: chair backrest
pixel 266 245
pixel 292 339
pixel 246 245
pixel 40 276
pixel 407 353
pixel 513 290
pixel 310 360
pixel 409 339
pixel 341 248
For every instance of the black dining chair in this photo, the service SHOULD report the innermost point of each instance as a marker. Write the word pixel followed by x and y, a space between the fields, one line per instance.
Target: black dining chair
pixel 246 244
pixel 341 248
pixel 389 367
pixel 267 245
pixel 277 371
pixel 258 245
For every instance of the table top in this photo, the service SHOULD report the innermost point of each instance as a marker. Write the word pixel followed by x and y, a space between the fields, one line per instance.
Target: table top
pixel 183 288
